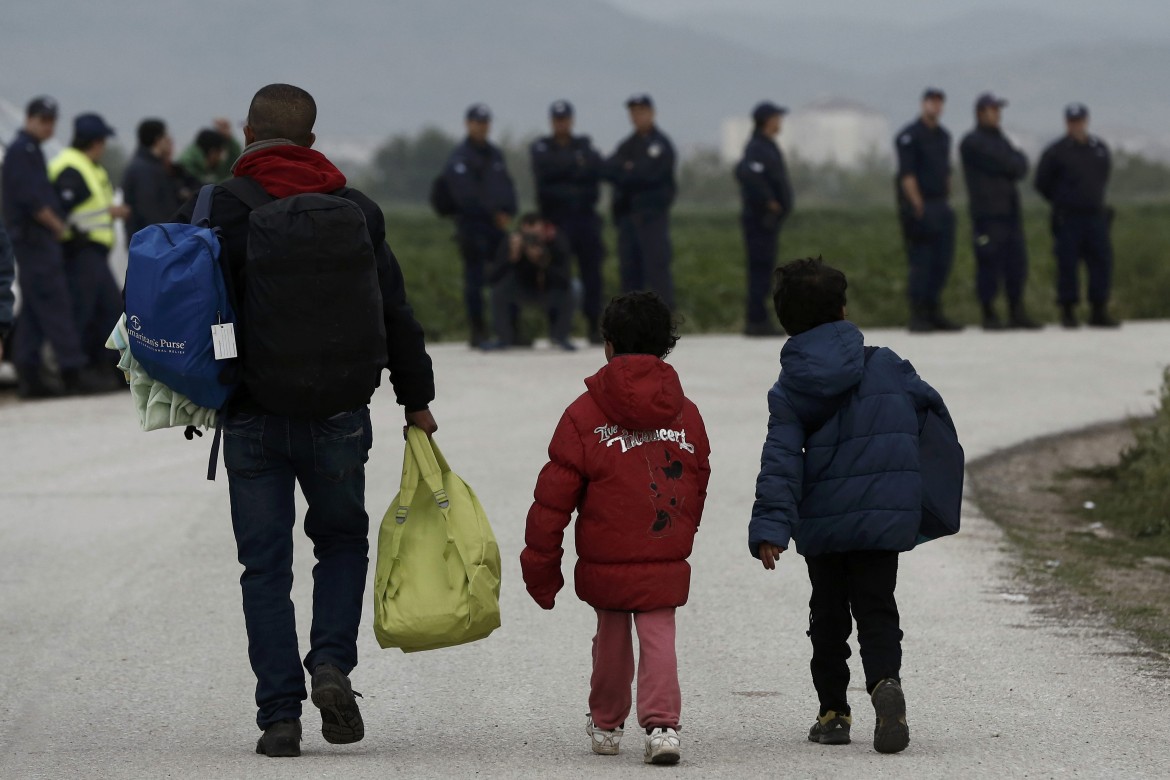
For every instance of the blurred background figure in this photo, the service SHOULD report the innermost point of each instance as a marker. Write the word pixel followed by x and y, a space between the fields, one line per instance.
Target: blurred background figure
pixel 87 202
pixel 767 201
pixel 567 172
pixel 149 186
pixel 1072 176
pixel 32 212
pixel 7 277
pixel 923 150
pixel 209 158
pixel 532 268
pixel 641 170
pixel 483 199
pixel 992 166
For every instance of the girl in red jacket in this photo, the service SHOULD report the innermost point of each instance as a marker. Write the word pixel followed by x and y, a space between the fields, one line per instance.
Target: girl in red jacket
pixel 630 455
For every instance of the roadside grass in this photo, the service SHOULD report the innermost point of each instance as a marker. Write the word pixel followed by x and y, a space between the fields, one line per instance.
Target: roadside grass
pixel 865 243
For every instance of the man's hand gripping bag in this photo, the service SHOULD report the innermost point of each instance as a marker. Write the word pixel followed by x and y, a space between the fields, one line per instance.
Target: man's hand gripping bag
pixel 437 579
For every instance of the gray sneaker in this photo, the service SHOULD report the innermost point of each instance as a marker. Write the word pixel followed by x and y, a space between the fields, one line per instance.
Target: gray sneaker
pixel 341 721
pixel 662 746
pixel 891 734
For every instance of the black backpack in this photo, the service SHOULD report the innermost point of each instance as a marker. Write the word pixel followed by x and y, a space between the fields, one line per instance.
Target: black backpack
pixel 313 337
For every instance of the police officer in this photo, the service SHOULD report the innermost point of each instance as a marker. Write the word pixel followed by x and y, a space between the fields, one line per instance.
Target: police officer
pixel 7 277
pixel 767 202
pixel 484 199
pixel 32 213
pixel 991 167
pixel 923 185
pixel 567 170
pixel 87 199
pixel 1072 176
pixel 641 170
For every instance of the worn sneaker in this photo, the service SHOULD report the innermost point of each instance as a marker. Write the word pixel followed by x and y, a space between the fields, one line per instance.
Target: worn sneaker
pixel 605 742
pixel 281 740
pixel 832 728
pixel 890 734
pixel 341 721
pixel 662 746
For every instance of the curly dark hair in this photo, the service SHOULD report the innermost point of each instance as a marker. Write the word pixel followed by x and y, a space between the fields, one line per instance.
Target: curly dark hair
pixel 639 323
pixel 808 293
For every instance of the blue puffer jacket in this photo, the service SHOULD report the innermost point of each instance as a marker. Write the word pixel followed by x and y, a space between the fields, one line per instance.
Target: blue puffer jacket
pixel 852 481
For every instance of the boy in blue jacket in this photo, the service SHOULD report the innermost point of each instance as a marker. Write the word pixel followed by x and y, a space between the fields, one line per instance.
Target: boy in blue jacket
pixel 839 475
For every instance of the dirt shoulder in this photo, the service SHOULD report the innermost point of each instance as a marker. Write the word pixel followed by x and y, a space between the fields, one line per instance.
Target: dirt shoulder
pixel 1072 560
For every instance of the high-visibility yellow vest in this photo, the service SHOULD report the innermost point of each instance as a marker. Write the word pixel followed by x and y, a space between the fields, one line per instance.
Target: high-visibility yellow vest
pixel 92 216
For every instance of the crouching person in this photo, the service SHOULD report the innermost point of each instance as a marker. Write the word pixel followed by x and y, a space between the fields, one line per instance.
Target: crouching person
pixel 630 456
pixel 532 267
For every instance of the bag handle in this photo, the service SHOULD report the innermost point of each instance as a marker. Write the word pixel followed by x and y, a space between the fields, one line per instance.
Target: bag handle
pixel 424 451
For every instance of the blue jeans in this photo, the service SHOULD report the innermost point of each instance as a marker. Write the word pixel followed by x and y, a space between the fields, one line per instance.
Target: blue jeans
pixel 266 457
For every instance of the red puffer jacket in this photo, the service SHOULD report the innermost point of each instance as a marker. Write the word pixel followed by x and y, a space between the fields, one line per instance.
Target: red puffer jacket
pixel 631 456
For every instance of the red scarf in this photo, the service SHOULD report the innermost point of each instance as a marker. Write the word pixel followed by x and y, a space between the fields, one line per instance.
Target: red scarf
pixel 290 170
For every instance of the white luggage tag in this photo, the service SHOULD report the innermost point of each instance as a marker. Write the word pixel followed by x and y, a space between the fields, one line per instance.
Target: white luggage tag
pixel 223 340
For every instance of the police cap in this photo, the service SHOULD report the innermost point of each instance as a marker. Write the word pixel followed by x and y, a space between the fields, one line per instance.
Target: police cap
pixel 43 106
pixel 987 100
pixel 479 112
pixel 560 109
pixel 766 110
pixel 1075 111
pixel 640 99
pixel 91 126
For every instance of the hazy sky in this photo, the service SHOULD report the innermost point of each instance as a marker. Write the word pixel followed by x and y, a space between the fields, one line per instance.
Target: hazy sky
pixel 1141 17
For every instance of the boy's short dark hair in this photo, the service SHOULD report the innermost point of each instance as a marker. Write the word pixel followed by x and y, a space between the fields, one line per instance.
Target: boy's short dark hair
pixel 149 131
pixel 209 140
pixel 639 323
pixel 808 293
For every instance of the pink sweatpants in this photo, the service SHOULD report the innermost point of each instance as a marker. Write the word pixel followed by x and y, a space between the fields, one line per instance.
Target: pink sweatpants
pixel 659 697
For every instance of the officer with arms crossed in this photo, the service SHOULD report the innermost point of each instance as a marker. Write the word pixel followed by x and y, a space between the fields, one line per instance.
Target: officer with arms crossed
pixel 567 170
pixel 767 202
pixel 484 200
pixel 923 149
pixel 641 170
pixel 1072 176
pixel 87 198
pixel 296 322
pixel 32 213
pixel 992 166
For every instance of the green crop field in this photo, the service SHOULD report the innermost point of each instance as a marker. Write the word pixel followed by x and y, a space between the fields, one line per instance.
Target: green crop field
pixel 865 243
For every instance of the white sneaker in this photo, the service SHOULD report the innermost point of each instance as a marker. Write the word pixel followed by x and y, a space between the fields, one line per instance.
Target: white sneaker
pixel 604 742
pixel 663 746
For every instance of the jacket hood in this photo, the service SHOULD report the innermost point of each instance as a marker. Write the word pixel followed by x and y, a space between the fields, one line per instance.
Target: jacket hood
pixel 825 361
pixel 637 392
pixel 286 169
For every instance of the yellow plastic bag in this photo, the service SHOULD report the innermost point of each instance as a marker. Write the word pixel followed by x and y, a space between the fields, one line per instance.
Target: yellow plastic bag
pixel 437 578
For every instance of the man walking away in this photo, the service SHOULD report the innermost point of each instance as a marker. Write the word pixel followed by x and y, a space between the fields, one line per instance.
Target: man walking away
pixel 343 328
pixel 923 186
pixel 1072 176
pixel 87 198
pixel 767 202
pixel 32 213
pixel 641 170
pixel 484 199
pixel 992 166
pixel 567 171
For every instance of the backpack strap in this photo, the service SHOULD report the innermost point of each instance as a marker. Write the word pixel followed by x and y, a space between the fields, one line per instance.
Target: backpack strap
pixel 201 216
pixel 249 191
pixel 213 460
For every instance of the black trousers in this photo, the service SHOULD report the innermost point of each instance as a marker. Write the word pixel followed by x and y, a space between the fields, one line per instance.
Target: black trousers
pixel 1082 236
pixel 762 242
pixel 930 249
pixel 1001 258
pixel 97 301
pixel 583 232
pixel 644 254
pixel 861 583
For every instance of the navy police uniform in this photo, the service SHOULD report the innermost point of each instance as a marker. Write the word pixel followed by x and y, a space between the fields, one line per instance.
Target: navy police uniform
pixel 46 312
pixel 1072 177
pixel 480 186
pixel 992 167
pixel 763 181
pixel 641 170
pixel 568 174
pixel 924 153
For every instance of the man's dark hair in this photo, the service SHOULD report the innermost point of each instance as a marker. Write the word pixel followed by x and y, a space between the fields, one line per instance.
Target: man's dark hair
pixel 283 111
pixel 209 140
pixel 149 131
pixel 530 218
pixel 808 293
pixel 639 323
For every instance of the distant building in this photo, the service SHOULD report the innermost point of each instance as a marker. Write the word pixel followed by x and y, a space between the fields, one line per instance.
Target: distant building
pixel 829 131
